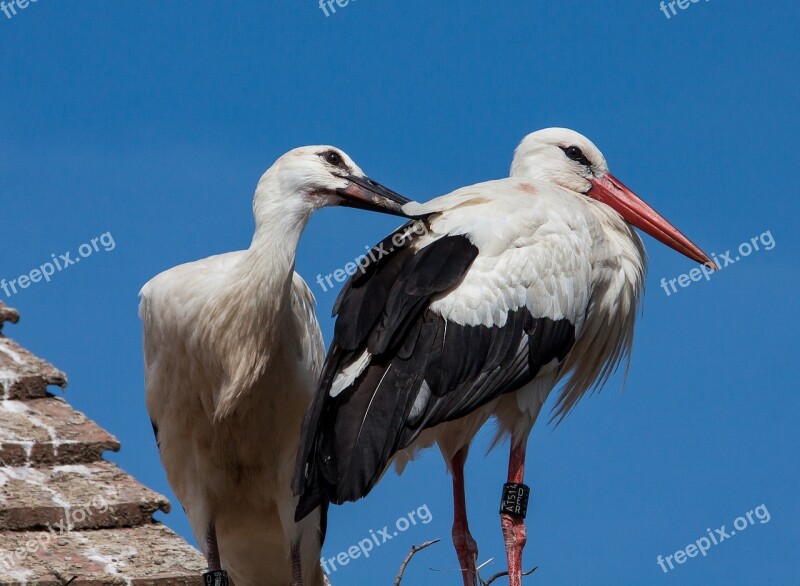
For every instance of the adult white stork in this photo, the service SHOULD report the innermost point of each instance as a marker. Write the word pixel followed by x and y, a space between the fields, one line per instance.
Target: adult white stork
pixel 232 352
pixel 497 292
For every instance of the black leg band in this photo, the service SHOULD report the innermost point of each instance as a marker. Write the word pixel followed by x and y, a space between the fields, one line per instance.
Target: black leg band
pixel 515 499
pixel 216 578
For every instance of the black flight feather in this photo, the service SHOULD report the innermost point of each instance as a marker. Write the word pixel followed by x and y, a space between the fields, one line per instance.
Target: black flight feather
pixel 348 440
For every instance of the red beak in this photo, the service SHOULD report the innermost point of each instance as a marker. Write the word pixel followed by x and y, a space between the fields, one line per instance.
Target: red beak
pixel 614 194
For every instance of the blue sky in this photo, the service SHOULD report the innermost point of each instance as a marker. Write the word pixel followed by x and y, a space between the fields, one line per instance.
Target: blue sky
pixel 153 121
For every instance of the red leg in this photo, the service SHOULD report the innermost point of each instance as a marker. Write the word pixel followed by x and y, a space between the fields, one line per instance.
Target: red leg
pixel 466 548
pixel 513 525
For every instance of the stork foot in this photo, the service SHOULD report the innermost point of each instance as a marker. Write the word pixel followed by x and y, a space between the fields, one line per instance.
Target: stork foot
pixel 467 552
pixel 466 548
pixel 515 537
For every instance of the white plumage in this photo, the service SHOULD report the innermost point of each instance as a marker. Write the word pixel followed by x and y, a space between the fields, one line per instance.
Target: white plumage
pixel 232 352
pixel 512 286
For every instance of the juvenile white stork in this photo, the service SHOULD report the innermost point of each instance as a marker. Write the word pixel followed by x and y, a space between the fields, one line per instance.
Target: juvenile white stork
pixel 496 293
pixel 232 351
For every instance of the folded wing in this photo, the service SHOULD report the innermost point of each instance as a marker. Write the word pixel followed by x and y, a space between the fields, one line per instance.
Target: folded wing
pixel 400 363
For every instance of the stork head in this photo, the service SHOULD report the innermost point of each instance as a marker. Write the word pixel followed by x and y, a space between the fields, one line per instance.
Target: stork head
pixel 570 160
pixel 308 178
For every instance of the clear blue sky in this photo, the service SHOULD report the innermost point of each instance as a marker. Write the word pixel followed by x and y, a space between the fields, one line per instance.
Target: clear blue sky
pixel 154 120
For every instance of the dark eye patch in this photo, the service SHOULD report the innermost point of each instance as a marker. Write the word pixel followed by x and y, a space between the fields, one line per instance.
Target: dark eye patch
pixel 576 154
pixel 333 158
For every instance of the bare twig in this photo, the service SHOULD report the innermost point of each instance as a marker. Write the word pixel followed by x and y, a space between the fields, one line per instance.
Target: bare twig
pixel 505 573
pixel 410 555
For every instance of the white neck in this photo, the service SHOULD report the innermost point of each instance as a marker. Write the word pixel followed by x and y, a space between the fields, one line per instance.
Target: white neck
pixel 622 245
pixel 259 302
pixel 606 339
pixel 269 262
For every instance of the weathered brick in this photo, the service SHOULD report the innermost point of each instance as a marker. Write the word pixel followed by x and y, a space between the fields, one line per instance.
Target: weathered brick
pixel 23 375
pixel 86 496
pixel 7 314
pixel 149 555
pixel 48 431
pixel 63 511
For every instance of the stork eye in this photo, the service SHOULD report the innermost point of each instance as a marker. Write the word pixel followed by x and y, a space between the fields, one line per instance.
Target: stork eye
pixel 576 154
pixel 333 158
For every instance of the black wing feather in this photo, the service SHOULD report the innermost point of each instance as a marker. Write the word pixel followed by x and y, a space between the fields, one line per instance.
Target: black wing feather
pixel 349 439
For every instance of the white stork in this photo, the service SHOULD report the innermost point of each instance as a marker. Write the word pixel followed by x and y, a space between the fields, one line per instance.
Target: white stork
pixel 232 352
pixel 496 293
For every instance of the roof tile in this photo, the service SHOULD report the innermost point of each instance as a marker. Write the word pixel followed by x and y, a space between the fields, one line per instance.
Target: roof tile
pixel 48 431
pixel 148 555
pixel 64 511
pixel 93 496
pixel 23 375
pixel 7 314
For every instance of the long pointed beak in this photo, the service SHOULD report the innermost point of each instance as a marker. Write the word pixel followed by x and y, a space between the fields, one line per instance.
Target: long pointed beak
pixel 366 194
pixel 612 192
